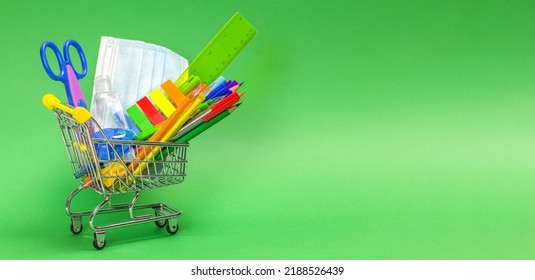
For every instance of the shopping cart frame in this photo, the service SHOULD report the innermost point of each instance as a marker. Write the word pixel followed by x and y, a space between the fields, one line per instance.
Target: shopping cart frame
pixel 111 173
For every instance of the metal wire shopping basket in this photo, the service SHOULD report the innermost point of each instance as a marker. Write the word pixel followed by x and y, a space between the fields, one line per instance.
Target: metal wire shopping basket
pixel 106 165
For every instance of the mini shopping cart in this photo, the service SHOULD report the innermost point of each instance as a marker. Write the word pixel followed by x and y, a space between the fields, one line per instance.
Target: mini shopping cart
pixel 104 166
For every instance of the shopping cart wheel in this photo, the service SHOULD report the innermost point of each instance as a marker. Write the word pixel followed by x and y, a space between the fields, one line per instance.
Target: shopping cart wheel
pixel 161 223
pixel 172 226
pixel 99 245
pixel 76 225
pixel 76 230
pixel 99 240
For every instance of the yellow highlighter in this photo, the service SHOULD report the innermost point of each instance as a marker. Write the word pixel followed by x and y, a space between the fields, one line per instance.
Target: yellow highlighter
pixel 197 100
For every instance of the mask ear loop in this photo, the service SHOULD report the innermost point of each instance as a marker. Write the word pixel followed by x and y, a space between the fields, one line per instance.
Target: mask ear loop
pixel 157 73
pixel 111 50
pixel 164 65
pixel 139 92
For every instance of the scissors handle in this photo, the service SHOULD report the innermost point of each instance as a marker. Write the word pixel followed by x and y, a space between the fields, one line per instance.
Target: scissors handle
pixel 61 62
pixel 81 55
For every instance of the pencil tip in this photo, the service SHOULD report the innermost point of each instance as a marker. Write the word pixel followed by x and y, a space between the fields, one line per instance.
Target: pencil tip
pixel 233 108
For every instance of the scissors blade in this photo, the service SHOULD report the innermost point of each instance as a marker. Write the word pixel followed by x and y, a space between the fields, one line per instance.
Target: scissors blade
pixel 77 96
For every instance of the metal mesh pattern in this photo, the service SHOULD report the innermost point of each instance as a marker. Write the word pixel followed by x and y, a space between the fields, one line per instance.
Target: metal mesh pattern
pixel 112 166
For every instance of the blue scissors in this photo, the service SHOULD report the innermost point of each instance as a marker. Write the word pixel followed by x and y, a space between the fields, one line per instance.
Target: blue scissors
pixel 67 74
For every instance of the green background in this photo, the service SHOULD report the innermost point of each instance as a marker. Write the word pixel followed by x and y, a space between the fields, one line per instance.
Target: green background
pixel 370 130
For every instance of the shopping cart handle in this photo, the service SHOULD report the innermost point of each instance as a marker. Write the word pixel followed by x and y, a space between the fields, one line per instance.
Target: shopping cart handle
pixel 80 114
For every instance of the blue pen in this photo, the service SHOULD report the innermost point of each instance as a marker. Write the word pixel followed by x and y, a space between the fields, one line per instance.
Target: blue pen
pixel 216 87
pixel 224 92
pixel 217 92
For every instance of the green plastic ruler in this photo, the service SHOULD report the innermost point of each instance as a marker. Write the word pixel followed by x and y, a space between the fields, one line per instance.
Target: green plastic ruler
pixel 220 51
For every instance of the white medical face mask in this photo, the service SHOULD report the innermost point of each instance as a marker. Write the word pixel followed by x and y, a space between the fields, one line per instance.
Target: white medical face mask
pixel 136 67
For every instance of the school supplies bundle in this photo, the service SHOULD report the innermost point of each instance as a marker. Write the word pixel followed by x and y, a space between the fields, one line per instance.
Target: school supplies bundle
pixel 147 105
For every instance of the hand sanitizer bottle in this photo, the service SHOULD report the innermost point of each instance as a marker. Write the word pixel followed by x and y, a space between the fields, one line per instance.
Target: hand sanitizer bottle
pixel 109 114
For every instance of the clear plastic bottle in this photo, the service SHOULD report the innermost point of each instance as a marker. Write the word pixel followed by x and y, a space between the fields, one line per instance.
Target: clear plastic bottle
pixel 109 114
